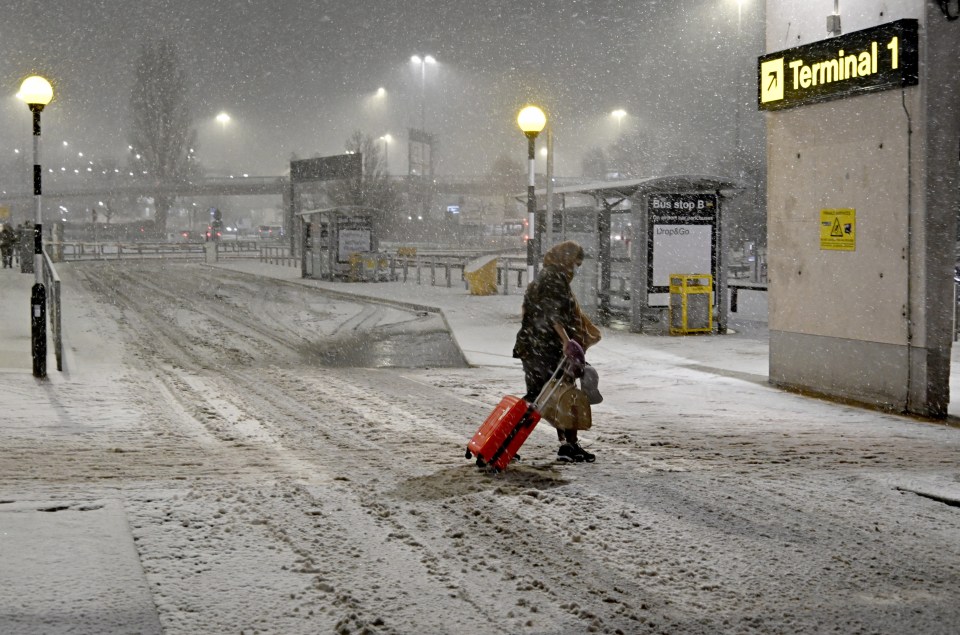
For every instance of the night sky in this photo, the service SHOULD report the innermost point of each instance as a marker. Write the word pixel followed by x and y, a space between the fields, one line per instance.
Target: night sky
pixel 299 76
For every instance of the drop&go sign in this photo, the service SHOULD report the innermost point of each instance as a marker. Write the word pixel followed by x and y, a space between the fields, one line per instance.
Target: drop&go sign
pixel 875 59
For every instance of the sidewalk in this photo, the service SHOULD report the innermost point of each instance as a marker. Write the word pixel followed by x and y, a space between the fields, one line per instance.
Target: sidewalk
pixel 65 562
pixel 15 353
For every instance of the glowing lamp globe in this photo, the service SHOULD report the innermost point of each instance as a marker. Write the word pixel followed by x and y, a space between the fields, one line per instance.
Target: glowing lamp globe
pixel 531 120
pixel 35 91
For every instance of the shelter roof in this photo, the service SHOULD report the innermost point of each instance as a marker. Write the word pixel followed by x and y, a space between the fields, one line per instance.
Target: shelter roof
pixel 647 185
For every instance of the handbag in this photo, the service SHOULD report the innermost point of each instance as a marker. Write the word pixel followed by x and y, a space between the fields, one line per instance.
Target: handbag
pixel 566 407
pixel 585 331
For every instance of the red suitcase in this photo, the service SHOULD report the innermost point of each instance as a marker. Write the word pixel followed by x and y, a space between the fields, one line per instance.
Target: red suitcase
pixel 508 426
pixel 501 435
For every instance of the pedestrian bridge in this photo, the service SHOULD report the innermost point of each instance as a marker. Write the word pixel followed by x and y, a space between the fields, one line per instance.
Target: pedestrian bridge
pixel 217 186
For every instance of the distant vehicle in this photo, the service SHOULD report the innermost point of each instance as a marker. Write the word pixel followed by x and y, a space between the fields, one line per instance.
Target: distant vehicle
pixel 186 235
pixel 269 232
pixel 215 231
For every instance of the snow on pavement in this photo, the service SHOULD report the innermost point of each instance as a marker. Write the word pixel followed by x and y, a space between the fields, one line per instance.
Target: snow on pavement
pixel 268 492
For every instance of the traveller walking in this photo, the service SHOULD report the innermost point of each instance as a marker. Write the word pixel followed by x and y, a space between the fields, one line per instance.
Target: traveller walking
pixel 553 325
pixel 8 240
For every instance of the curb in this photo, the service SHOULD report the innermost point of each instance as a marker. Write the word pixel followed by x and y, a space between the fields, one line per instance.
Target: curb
pixel 346 295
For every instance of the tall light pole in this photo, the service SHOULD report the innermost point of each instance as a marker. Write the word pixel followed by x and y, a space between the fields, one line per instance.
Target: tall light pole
pixel 423 61
pixel 386 153
pixel 223 119
pixel 531 121
pixel 37 93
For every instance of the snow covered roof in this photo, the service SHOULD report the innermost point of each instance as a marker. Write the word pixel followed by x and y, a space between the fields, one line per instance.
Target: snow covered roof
pixel 632 187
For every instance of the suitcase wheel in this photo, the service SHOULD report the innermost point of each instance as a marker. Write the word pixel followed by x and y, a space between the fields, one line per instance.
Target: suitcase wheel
pixel 480 462
pixel 468 455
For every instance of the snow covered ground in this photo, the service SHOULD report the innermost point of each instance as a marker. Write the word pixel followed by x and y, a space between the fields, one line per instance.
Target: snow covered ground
pixel 232 449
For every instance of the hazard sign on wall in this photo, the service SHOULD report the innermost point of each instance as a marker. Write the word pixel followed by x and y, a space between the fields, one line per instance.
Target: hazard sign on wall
pixel 838 229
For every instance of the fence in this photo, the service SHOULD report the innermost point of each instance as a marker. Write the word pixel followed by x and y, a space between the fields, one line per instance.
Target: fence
pixel 51 281
pixel 404 268
pixel 272 255
pixel 142 251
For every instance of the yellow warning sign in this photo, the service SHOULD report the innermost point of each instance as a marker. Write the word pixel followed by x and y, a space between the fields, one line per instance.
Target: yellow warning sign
pixel 838 229
pixel 771 80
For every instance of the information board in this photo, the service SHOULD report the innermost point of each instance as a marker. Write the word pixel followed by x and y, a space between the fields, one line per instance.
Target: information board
pixel 875 59
pixel 354 236
pixel 682 231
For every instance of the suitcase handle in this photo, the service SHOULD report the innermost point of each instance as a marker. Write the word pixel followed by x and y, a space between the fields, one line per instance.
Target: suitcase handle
pixel 544 396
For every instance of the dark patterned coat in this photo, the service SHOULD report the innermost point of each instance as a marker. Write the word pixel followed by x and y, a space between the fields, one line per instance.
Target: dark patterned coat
pixel 548 300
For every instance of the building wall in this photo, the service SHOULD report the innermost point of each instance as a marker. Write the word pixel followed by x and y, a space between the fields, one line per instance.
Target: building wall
pixel 872 325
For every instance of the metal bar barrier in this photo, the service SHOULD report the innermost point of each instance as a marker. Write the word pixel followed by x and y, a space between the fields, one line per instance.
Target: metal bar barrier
pixel 52 283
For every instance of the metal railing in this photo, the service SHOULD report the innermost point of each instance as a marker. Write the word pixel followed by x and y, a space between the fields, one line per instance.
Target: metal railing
pixel 404 268
pixel 274 255
pixel 51 280
pixel 143 251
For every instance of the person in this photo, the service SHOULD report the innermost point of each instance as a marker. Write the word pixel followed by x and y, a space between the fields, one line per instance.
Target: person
pixel 550 318
pixel 8 240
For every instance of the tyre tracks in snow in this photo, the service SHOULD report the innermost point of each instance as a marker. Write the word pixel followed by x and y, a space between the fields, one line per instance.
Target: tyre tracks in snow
pixel 350 483
pixel 379 446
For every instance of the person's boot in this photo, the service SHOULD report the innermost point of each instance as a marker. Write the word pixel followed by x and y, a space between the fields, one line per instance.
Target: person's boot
pixel 579 454
pixel 568 453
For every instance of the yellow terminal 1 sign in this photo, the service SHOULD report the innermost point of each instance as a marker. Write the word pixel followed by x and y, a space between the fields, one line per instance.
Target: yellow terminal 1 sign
pixel 875 59
pixel 838 229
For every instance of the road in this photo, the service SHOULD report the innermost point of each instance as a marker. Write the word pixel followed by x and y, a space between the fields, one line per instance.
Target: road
pixel 293 463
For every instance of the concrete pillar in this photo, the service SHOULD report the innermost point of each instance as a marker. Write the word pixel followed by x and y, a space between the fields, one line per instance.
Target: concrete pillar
pixel 872 324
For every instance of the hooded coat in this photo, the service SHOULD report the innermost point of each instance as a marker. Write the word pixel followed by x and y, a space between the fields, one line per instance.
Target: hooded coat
pixel 8 240
pixel 549 300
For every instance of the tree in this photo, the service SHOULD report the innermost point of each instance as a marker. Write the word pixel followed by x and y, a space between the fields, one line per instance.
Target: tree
pixel 506 180
pixel 373 187
pixel 160 131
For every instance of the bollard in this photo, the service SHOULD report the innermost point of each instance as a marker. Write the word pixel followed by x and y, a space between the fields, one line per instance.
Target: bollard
pixel 38 329
pixel 211 254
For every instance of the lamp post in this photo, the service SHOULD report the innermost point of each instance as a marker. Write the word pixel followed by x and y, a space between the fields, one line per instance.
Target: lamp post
pixel 223 119
pixel 531 121
pixel 386 153
pixel 423 61
pixel 37 93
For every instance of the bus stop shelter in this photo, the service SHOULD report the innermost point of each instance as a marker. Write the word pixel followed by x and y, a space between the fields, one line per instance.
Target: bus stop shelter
pixel 334 238
pixel 637 232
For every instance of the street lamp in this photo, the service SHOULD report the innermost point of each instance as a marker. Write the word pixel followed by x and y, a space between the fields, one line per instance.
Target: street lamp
pixel 423 61
pixel 223 118
pixel 740 13
pixel 619 114
pixel 531 121
pixel 386 152
pixel 36 92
